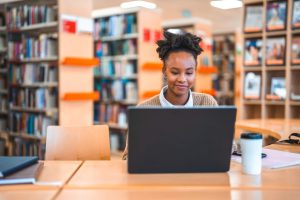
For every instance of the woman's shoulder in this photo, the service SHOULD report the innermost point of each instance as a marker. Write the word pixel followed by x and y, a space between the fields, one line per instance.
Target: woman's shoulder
pixel 201 99
pixel 153 101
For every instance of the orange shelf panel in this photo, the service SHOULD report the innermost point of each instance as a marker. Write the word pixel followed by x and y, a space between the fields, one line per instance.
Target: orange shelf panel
pixel 207 70
pixel 152 66
pixel 81 62
pixel 75 96
pixel 149 94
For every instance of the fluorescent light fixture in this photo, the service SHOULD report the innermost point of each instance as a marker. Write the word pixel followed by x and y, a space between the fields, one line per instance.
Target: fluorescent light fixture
pixel 133 4
pixel 174 30
pixel 226 4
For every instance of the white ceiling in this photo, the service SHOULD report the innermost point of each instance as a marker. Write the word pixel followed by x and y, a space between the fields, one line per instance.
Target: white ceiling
pixel 222 20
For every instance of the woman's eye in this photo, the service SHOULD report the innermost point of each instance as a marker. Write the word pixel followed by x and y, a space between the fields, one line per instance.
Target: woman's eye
pixel 174 73
pixel 189 73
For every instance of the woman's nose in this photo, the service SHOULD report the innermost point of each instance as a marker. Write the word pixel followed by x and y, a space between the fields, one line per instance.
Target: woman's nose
pixel 182 78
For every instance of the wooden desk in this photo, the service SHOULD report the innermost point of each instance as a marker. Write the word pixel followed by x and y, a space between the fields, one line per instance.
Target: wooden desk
pixel 278 128
pixel 113 175
pixel 28 194
pixel 176 194
pixel 53 176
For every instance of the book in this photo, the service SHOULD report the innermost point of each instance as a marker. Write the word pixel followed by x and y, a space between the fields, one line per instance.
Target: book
pixel 252 86
pixel 295 97
pixel 9 165
pixel 253 18
pixel 253 52
pixel 275 51
pixel 27 175
pixel 276 15
pixel 295 51
pixel 296 14
pixel 278 87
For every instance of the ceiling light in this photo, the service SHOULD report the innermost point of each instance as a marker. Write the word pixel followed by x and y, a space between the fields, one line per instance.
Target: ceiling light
pixel 226 4
pixel 133 4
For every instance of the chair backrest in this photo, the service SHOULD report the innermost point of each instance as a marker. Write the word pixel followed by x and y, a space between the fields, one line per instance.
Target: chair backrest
pixel 78 143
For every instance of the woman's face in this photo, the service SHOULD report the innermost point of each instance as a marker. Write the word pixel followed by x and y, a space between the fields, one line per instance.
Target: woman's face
pixel 180 68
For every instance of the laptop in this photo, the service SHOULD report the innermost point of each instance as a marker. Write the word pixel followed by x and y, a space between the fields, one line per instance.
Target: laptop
pixel 180 140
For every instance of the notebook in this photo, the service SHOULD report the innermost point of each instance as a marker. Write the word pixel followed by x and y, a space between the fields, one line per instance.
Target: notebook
pixel 27 175
pixel 12 164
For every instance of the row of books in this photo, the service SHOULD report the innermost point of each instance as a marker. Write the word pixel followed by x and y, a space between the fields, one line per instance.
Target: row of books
pixel 224 83
pixel 118 47
pixel 2 19
pixel 117 90
pixel 275 51
pixel 3 124
pixel 252 87
pixel 33 73
pixel 223 44
pixel 3 83
pixel 110 113
pixel 116 68
pixel 2 43
pixel 276 16
pixel 31 124
pixel 3 104
pixel 40 98
pixel 43 46
pixel 2 62
pixel 25 15
pixel 115 25
pixel 26 147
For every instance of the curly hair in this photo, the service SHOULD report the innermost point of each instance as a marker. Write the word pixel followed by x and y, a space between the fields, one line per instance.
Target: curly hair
pixel 178 42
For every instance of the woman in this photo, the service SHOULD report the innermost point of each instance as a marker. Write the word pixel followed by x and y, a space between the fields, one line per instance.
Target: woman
pixel 179 55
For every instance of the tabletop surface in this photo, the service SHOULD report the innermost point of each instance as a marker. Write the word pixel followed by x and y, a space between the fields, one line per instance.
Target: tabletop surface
pixel 174 194
pixel 113 174
pixel 54 174
pixel 278 128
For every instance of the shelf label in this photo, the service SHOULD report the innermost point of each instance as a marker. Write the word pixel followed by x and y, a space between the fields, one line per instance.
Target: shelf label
pixel 69 26
pixel 74 24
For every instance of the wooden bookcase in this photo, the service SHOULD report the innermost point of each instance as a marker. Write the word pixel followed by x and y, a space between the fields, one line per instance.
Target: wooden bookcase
pixel 224 50
pixel 270 106
pixel 4 82
pixel 227 57
pixel 32 73
pixel 38 78
pixel 124 41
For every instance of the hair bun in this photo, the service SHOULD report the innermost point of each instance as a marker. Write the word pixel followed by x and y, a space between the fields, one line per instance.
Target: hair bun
pixel 176 42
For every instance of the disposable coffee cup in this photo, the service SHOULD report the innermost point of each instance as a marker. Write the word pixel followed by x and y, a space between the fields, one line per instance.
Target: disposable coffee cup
pixel 251 147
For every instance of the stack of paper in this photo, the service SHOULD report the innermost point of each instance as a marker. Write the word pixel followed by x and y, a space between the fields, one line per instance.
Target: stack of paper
pixel 275 159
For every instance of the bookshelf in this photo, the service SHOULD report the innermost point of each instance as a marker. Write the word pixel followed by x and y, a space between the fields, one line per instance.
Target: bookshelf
pixel 227 57
pixel 121 78
pixel 224 51
pixel 32 57
pixel 270 57
pixel 3 81
pixel 205 69
pixel 39 79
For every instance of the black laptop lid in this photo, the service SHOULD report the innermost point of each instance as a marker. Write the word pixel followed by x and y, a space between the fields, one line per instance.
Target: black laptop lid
pixel 173 140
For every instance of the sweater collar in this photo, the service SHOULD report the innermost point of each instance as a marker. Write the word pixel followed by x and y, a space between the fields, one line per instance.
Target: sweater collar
pixel 165 103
